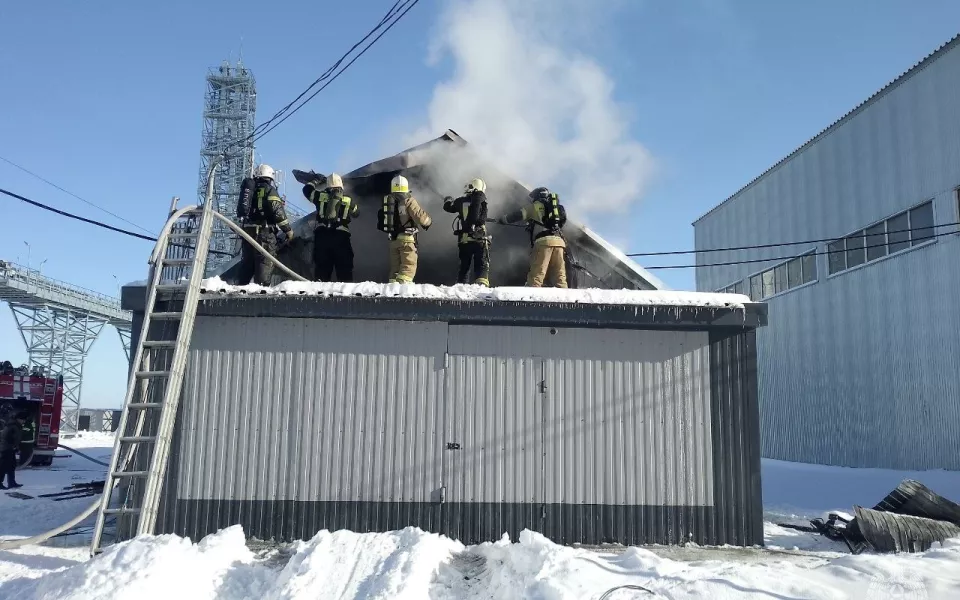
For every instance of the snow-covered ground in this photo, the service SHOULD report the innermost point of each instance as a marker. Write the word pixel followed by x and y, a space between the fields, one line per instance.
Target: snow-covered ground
pixel 414 564
pixel 477 293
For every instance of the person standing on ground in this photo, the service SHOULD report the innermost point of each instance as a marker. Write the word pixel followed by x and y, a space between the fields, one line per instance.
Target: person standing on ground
pixel 545 219
pixel 28 436
pixel 261 212
pixel 401 218
pixel 332 249
pixel 9 444
pixel 473 243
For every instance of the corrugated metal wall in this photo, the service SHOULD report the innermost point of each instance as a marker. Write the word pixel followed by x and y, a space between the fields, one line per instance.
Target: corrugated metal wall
pixel 292 425
pixel 861 368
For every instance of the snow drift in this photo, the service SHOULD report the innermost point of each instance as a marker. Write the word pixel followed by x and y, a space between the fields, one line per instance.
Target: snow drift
pixel 476 293
pixel 412 564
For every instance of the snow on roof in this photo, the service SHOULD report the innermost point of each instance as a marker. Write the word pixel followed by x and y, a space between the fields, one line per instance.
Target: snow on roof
pixel 476 293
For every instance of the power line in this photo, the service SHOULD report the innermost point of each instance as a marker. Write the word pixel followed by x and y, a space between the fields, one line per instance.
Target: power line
pixel 814 253
pixel 91 221
pixel 776 245
pixel 390 13
pixel 409 4
pixel 68 192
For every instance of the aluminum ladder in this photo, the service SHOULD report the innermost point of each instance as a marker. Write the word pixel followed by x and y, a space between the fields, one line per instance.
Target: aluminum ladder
pixel 142 448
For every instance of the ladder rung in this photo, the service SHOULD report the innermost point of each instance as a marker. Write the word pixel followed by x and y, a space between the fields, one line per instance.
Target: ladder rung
pixel 122 511
pixel 138 439
pixel 166 316
pixel 152 374
pixel 183 235
pixel 170 287
pixel 177 261
pixel 144 405
pixel 121 474
pixel 159 343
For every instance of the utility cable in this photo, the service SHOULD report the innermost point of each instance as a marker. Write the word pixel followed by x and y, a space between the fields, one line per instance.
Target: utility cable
pixel 775 245
pixel 93 222
pixel 69 193
pixel 259 128
pixel 813 253
pixel 409 5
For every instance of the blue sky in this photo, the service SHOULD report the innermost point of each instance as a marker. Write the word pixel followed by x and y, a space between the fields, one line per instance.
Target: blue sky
pixel 693 97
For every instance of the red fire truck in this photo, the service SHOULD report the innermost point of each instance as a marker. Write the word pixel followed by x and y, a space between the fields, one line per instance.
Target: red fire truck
pixel 40 396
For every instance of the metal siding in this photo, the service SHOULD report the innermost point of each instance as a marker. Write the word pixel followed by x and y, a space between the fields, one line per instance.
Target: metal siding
pixel 289 426
pixel 360 420
pixel 859 369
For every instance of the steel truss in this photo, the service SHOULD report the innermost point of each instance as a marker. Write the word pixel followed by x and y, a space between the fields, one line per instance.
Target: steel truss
pixel 58 323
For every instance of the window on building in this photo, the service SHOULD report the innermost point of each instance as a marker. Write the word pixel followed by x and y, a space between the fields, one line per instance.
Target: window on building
pixel 876 239
pixel 838 256
pixel 855 251
pixel 785 276
pixel 769 289
pixel 808 263
pixel 897 233
pixel 794 275
pixel 733 288
pixel 921 223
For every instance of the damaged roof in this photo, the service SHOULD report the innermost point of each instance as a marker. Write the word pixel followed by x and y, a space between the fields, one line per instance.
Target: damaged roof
pixel 439 168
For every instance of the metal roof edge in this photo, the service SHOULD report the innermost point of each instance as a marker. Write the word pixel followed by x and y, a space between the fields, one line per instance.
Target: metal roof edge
pixel 906 75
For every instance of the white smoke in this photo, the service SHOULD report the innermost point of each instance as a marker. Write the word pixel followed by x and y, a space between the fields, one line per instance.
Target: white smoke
pixel 536 108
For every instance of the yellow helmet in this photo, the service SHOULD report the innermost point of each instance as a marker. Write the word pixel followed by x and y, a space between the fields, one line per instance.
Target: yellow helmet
pixel 399 184
pixel 475 185
pixel 334 181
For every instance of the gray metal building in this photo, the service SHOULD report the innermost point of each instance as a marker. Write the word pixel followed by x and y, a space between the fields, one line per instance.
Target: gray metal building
pixel 589 423
pixel 860 363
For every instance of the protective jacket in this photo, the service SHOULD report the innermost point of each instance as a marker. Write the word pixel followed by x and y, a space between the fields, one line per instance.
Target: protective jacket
pixel 471 211
pixel 266 208
pixel 334 210
pixel 541 235
pixel 27 433
pixel 402 217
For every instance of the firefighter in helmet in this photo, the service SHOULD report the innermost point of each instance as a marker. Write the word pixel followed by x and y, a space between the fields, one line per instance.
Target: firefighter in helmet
pixel 545 218
pixel 401 218
pixel 261 213
pixel 332 249
pixel 470 228
pixel 9 445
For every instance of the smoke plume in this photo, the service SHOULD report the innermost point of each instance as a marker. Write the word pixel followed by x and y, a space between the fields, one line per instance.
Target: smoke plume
pixel 533 106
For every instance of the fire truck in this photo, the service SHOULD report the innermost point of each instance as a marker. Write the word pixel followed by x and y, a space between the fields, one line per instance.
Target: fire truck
pixel 40 396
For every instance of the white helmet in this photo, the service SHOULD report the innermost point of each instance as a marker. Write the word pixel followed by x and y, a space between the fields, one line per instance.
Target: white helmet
pixel 334 181
pixel 400 184
pixel 475 185
pixel 266 172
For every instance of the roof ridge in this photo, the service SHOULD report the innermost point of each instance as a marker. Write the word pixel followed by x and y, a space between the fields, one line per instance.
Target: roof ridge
pixel 916 68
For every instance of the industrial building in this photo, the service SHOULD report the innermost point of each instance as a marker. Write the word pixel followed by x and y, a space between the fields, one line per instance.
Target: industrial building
pixel 860 363
pixel 590 416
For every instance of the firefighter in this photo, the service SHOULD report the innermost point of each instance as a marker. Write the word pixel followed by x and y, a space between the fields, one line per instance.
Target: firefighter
pixel 28 437
pixel 9 444
pixel 401 217
pixel 545 218
pixel 261 214
pixel 332 250
pixel 470 228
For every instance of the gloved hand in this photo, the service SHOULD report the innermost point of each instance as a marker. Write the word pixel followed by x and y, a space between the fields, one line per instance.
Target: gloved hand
pixel 448 198
pixel 285 237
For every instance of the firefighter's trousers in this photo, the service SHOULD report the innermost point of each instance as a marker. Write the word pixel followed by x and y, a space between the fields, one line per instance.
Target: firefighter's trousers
pixel 254 265
pixel 8 467
pixel 477 253
pixel 332 252
pixel 547 263
pixel 403 261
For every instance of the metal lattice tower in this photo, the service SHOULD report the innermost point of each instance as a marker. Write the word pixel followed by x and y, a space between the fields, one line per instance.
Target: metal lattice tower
pixel 229 110
pixel 58 323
